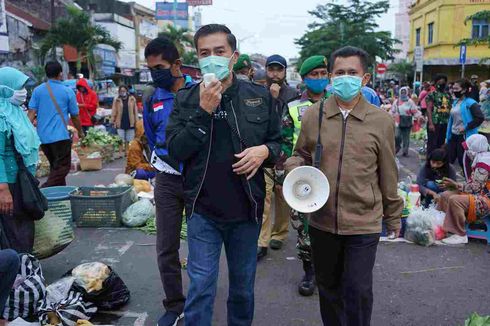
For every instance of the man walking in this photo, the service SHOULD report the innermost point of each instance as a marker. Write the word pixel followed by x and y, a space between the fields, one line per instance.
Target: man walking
pixel 358 158
pixel 314 73
pixel 223 132
pixel 438 110
pixel 52 103
pixel 163 60
pixel 274 234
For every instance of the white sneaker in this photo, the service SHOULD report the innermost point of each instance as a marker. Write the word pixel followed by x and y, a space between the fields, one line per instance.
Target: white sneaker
pixel 455 240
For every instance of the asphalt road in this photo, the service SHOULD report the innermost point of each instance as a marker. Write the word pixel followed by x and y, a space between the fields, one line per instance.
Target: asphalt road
pixel 413 285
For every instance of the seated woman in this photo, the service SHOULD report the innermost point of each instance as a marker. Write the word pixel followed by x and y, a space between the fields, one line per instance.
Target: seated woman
pixel 9 266
pixel 138 163
pixel 468 201
pixel 435 169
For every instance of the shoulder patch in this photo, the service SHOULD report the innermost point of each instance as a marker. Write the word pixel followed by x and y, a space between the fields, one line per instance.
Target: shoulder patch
pixel 157 106
pixel 253 102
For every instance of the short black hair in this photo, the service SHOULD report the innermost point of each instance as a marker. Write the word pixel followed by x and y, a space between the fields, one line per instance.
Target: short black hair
pixel 439 77
pixel 53 69
pixel 350 51
pixel 464 83
pixel 214 29
pixel 163 46
pixel 123 86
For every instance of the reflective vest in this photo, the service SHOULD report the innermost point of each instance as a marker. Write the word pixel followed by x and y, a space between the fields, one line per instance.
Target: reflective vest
pixel 296 110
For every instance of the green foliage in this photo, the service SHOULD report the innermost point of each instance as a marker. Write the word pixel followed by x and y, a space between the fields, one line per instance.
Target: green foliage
pixel 190 58
pixel 77 31
pixel 477 320
pixel 179 36
pixel 354 24
pixel 403 69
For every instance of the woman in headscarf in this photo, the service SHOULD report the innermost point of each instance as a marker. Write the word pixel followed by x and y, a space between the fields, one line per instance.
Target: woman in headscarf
pixel 468 201
pixel 405 109
pixel 15 130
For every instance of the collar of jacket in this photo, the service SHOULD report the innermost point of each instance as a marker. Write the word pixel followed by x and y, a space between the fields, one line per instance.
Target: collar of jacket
pixel 233 89
pixel 359 111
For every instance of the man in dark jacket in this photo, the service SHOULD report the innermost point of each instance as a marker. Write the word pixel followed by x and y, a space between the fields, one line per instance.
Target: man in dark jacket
pixel 223 132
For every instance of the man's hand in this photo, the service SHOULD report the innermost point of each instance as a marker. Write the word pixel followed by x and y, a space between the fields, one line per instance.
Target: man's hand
pixel 449 184
pixel 250 160
pixel 6 202
pixel 275 89
pixel 431 127
pixel 210 97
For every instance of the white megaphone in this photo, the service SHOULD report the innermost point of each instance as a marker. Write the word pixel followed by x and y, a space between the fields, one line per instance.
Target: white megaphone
pixel 306 189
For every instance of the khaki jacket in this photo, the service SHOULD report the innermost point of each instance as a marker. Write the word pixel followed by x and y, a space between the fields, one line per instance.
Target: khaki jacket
pixel 359 161
pixel 117 110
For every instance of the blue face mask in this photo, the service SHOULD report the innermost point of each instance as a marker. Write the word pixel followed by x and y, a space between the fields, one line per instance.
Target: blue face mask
pixel 162 78
pixel 220 66
pixel 347 87
pixel 316 86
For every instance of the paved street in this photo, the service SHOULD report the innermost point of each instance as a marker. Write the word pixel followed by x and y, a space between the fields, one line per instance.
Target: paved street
pixel 413 285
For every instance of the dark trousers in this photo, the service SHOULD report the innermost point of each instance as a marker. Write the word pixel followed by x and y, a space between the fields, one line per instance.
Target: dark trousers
pixel 455 149
pixel 169 200
pixel 402 140
pixel 17 232
pixel 436 138
pixel 9 266
pixel 344 275
pixel 59 157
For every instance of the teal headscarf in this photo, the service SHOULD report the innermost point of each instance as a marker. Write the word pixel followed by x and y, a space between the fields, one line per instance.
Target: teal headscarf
pixel 14 120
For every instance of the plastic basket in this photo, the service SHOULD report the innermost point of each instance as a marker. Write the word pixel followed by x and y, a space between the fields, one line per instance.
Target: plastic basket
pixel 100 207
pixel 54 232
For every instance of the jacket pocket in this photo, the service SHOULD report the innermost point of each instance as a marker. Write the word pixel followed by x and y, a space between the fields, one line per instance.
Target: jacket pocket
pixel 374 195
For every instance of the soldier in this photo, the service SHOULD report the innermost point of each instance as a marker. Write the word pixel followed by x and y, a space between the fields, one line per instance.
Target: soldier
pixel 315 77
pixel 243 68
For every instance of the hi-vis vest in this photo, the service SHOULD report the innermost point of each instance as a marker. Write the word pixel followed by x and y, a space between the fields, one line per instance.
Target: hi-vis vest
pixel 296 110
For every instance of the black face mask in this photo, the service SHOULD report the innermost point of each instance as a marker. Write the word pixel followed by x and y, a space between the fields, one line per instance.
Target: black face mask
pixel 270 81
pixel 162 78
pixel 458 94
pixel 441 87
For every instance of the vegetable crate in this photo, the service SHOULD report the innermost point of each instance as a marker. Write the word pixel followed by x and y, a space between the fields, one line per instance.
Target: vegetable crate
pixel 100 207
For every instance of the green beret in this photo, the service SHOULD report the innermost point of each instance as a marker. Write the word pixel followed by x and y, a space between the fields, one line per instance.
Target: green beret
pixel 242 62
pixel 316 61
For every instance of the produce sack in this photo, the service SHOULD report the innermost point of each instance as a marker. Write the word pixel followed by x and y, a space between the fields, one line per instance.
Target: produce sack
pixel 419 228
pixel 28 291
pixel 67 311
pixel 137 214
pixel 123 180
pixel 101 285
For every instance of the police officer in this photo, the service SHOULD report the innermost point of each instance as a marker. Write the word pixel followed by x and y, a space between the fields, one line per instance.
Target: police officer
pixel 315 77
pixel 243 67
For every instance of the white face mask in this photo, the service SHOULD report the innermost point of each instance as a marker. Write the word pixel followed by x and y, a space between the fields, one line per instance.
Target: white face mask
pixel 19 97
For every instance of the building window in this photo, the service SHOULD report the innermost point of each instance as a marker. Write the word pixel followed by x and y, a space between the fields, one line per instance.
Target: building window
pixel 430 33
pixel 417 37
pixel 480 28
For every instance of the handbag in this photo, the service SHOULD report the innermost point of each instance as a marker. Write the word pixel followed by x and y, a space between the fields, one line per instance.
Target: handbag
pixel 28 198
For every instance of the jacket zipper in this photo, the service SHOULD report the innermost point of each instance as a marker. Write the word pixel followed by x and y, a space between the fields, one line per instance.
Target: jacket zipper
pixel 248 182
pixel 205 169
pixel 339 172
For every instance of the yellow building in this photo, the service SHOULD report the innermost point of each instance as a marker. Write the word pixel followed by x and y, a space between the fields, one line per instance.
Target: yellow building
pixel 438 25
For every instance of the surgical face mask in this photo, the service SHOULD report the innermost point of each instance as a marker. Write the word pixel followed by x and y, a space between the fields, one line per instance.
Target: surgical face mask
pixel 19 96
pixel 220 66
pixel 458 94
pixel 404 97
pixel 123 94
pixel 316 86
pixel 347 87
pixel 162 78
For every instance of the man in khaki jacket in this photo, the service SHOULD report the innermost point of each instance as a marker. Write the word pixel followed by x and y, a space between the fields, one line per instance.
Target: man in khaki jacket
pixel 358 159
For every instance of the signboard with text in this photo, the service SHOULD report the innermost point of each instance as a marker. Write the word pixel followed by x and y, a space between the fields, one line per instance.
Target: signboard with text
pixel 381 68
pixel 462 54
pixel 418 54
pixel 165 11
pixel 195 3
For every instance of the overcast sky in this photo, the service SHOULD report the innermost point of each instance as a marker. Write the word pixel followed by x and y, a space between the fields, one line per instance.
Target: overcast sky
pixel 270 26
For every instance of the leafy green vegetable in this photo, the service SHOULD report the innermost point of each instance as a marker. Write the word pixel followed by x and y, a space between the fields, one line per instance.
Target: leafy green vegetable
pixel 99 137
pixel 477 320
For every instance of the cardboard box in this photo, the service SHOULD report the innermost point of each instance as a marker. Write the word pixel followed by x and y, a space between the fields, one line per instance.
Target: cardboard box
pixel 90 164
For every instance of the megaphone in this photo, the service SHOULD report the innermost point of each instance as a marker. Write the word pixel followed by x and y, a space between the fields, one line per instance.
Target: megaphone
pixel 306 189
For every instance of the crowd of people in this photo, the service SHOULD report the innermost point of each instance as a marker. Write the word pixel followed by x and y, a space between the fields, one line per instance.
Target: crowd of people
pixel 207 146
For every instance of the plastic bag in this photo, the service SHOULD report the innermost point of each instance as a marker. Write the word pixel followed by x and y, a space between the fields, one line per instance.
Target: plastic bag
pixel 419 228
pixel 67 311
pixel 109 295
pixel 94 155
pixel 137 214
pixel 74 157
pixel 59 290
pixel 141 185
pixel 123 180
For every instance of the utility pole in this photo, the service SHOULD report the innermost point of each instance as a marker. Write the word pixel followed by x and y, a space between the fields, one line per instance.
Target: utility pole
pixel 175 13
pixel 53 50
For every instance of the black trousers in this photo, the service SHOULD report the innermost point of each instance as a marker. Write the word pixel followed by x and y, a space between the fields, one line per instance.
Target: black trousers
pixel 344 275
pixel 169 200
pixel 59 157
pixel 455 149
pixel 437 138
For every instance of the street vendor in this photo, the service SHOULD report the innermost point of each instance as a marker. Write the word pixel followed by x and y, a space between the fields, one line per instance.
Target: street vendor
pixel 138 162
pixel 468 201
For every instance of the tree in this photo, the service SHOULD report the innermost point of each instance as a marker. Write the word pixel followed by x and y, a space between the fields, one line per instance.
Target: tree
pixel 402 69
pixel 353 24
pixel 485 15
pixel 77 31
pixel 179 36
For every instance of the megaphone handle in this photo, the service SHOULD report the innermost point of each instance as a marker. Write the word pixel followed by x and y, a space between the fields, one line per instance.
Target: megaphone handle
pixel 319 146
